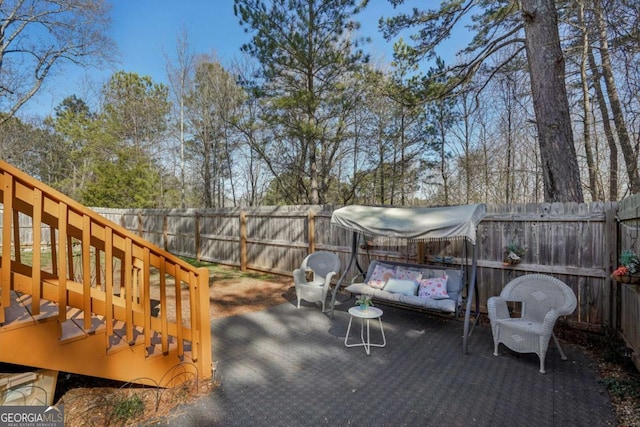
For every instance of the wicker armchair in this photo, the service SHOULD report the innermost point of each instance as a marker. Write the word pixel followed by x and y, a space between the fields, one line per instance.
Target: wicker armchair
pixel 544 299
pixel 323 267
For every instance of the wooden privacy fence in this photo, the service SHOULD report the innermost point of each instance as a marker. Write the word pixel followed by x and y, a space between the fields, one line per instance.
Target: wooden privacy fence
pixel 575 242
pixel 626 298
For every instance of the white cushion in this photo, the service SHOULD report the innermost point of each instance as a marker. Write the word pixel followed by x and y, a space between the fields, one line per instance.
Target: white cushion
pixel 400 286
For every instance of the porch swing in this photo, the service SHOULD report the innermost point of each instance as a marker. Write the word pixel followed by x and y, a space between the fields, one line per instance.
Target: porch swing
pixel 418 225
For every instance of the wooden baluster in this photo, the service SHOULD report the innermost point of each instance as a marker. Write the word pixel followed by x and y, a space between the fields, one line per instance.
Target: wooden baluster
pixel 71 268
pixel 128 294
pixel 16 237
pixel 54 250
pixel 86 270
pixel 36 265
pixel 7 206
pixel 178 287
pixel 194 312
pixel 145 297
pixel 62 262
pixel 98 266
pixel 108 283
pixel 163 305
pixel 138 280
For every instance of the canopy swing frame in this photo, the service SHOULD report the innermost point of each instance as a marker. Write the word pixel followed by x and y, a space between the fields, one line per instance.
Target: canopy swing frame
pixel 417 224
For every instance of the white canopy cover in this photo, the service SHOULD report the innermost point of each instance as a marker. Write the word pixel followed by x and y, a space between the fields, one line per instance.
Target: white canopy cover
pixel 412 223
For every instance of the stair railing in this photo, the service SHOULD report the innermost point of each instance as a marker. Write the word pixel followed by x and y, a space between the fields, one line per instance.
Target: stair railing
pixel 114 277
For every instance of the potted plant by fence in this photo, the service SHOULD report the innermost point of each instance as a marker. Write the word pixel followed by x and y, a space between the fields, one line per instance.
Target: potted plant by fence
pixel 364 301
pixel 513 254
pixel 628 270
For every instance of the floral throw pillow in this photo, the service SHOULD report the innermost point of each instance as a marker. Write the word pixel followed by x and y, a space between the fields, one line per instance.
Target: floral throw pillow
pixel 435 288
pixel 380 276
pixel 407 274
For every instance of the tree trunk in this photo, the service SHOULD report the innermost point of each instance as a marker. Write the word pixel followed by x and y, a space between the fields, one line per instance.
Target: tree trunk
pixel 628 153
pixel 443 163
pixel 402 160
pixel 312 142
pixel 592 168
pixel 546 66
pixel 509 173
pixel 608 131
pixel 313 166
pixel 467 147
pixel 208 202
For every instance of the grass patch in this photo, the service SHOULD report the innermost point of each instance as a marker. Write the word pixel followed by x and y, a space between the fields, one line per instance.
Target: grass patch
pixel 194 262
pixel 225 272
pixel 128 408
pixel 26 257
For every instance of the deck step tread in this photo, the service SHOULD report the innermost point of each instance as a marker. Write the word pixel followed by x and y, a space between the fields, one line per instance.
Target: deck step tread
pixel 18 315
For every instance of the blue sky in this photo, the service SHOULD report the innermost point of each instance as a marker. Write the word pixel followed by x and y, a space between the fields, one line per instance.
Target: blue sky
pixel 144 28
pixel 145 32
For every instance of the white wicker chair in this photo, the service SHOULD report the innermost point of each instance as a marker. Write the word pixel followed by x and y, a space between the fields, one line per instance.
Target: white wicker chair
pixel 323 267
pixel 544 299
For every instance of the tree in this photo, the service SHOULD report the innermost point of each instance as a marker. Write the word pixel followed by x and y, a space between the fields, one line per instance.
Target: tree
pixel 249 133
pixel 629 154
pixel 413 137
pixel 499 25
pixel 39 36
pixel 547 70
pixel 126 166
pixel 135 110
pixel 210 106
pixel 34 149
pixel 306 53
pixel 594 185
pixel 122 180
pixel 78 129
pixel 606 124
pixel 444 117
pixel 179 81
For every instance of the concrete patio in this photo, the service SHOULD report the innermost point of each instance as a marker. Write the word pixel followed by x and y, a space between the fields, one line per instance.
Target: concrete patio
pixel 289 367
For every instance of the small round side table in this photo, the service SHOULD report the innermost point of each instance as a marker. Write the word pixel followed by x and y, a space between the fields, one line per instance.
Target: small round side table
pixel 365 315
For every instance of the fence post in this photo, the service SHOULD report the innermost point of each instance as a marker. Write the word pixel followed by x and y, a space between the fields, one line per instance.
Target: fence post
pixel 243 240
pixel 421 252
pixel 197 236
pixel 311 226
pixel 140 228
pixel 165 232
pixel 611 292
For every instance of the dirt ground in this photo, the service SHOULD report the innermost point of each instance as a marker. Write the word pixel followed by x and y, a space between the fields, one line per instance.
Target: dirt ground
pixel 90 401
pixel 97 402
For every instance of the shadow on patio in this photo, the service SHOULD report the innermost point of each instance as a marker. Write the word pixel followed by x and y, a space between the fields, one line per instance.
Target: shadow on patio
pixel 289 367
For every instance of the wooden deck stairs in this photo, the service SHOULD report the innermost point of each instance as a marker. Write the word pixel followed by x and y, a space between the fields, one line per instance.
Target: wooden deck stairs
pixel 89 297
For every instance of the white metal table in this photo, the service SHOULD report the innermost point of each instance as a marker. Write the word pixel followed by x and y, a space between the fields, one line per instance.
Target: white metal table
pixel 366 314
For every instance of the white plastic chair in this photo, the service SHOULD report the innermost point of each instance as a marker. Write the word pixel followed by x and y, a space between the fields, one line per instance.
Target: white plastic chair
pixel 544 299
pixel 323 266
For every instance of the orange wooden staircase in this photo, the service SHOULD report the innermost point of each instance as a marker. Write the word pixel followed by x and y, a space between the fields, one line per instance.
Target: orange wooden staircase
pixel 96 299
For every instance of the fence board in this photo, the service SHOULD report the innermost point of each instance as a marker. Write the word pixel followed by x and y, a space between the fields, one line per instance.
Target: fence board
pixel 626 298
pixel 575 242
